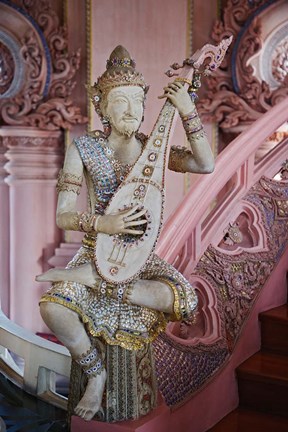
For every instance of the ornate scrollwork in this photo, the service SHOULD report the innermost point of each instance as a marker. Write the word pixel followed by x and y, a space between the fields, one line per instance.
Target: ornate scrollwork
pixel 235 96
pixel 280 62
pixel 6 68
pixel 44 100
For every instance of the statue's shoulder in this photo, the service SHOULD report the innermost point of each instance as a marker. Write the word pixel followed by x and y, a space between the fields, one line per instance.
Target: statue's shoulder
pixel 92 138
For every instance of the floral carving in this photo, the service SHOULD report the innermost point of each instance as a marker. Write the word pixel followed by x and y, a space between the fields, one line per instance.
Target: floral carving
pixel 6 68
pixel 47 143
pixel 238 279
pixel 280 62
pixel 44 101
pixel 235 96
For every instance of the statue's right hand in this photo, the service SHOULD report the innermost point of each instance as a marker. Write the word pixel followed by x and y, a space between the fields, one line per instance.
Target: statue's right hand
pixel 122 222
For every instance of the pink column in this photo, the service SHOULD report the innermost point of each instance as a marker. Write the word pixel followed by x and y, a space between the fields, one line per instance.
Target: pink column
pixel 4 233
pixel 34 157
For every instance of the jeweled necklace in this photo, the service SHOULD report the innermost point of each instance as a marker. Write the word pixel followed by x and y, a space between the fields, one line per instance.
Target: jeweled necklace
pixel 121 169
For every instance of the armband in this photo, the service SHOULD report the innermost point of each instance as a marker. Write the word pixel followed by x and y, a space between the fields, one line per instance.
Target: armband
pixel 177 158
pixel 68 182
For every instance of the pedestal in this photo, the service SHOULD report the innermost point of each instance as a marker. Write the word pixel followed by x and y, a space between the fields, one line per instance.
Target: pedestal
pixel 156 421
pixel 34 158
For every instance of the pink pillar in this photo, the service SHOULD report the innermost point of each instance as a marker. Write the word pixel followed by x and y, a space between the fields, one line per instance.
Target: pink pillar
pixel 4 233
pixel 34 157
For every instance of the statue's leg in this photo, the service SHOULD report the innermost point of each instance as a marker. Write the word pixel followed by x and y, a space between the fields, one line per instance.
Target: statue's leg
pixel 68 328
pixel 84 274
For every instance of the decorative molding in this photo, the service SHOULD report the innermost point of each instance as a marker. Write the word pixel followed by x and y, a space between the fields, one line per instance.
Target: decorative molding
pixel 44 100
pixel 3 160
pixel 33 158
pixel 36 143
pixel 236 97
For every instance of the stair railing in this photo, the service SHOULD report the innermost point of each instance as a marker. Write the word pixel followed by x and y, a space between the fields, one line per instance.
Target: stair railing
pixel 42 361
pixel 202 216
pixel 185 236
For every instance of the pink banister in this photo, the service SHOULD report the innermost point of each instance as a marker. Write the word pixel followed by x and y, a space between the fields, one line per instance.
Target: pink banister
pixel 196 217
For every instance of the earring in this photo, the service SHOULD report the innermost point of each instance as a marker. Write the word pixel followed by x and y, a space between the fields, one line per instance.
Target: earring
pixel 106 125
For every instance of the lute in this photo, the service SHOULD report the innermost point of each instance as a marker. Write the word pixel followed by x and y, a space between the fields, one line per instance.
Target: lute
pixel 120 258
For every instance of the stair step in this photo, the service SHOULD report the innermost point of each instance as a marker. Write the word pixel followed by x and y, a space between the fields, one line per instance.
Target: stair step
pixel 263 383
pixel 244 420
pixel 274 330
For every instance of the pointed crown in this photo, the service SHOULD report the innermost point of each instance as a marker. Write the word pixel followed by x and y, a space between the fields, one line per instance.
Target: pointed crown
pixel 120 71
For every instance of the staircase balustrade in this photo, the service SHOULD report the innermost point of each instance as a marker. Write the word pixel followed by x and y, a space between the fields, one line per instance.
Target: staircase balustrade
pixel 199 221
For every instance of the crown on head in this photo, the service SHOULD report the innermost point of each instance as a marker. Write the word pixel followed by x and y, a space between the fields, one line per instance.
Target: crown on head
pixel 120 71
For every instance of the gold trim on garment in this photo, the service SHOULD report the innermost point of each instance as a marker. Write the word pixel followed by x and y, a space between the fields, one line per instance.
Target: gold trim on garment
pixel 130 342
pixel 176 304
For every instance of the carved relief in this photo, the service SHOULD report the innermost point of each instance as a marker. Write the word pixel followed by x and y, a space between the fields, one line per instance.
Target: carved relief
pixel 44 100
pixel 280 62
pixel 236 97
pixel 245 233
pixel 35 142
pixel 6 68
pixel 235 277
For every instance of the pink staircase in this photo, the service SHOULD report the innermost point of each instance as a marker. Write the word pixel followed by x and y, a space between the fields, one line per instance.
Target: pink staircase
pixel 263 381
pixel 235 279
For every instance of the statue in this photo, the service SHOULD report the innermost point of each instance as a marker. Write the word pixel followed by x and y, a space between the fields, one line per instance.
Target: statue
pixel 84 310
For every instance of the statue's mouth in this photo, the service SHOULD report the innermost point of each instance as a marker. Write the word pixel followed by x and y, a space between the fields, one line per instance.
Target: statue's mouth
pixel 130 119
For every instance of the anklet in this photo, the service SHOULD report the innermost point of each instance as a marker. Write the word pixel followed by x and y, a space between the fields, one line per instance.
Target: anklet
pixel 90 362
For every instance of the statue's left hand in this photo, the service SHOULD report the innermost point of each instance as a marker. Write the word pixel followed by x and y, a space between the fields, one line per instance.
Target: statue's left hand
pixel 178 95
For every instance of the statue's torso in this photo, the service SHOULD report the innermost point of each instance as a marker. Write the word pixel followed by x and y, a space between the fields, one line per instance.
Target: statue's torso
pixel 104 173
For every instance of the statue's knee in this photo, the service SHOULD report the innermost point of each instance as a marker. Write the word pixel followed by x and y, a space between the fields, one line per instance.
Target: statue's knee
pixel 46 311
pixel 51 312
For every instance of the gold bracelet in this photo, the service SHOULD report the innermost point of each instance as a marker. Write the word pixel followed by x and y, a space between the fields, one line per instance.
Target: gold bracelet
pixel 184 80
pixel 86 222
pixel 176 304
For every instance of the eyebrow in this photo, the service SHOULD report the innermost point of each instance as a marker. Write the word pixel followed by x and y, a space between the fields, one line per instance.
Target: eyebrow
pixel 120 93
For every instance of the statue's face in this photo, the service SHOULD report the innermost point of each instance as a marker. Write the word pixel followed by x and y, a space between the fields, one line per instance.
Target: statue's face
pixel 124 108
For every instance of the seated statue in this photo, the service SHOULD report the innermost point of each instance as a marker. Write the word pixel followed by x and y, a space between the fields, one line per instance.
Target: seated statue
pixel 84 311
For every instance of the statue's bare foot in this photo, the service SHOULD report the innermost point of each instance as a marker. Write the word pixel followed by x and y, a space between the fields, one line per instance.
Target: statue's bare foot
pixel 84 274
pixel 90 403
